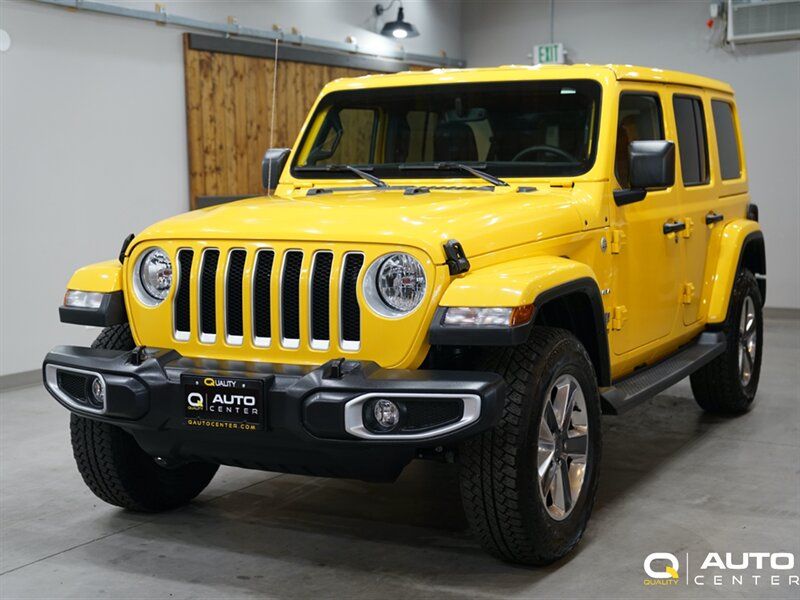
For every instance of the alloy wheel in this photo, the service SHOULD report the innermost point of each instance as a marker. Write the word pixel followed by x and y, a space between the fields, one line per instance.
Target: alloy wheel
pixel 748 341
pixel 563 447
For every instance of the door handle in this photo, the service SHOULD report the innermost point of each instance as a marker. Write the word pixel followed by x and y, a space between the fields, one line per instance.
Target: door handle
pixel 673 227
pixel 714 217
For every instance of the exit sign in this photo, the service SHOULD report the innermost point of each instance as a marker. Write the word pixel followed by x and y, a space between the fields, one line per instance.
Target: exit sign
pixel 548 54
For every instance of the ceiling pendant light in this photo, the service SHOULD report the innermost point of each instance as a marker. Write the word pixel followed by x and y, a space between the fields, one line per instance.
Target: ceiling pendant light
pixel 399 29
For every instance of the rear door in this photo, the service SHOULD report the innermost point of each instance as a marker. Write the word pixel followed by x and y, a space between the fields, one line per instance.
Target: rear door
pixel 695 184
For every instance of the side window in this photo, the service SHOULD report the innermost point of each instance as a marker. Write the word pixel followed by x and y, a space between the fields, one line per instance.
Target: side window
pixel 730 163
pixel 639 119
pixel 692 144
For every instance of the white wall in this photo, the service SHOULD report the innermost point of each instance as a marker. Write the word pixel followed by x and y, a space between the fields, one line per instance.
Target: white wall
pixel 673 35
pixel 93 139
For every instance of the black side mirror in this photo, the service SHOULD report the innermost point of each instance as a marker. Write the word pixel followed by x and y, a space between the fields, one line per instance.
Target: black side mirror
pixel 272 166
pixel 652 167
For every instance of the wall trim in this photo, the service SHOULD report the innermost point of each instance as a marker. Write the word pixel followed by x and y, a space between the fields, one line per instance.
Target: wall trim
pixel 317 56
pixel 18 380
pixel 163 17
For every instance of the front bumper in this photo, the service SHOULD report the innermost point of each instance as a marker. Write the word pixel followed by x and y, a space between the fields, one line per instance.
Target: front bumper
pixel 313 422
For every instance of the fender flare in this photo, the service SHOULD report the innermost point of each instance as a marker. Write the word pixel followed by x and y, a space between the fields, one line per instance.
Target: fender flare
pixel 538 281
pixel 742 244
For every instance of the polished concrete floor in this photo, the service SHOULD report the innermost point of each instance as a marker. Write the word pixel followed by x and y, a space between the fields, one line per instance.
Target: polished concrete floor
pixel 674 480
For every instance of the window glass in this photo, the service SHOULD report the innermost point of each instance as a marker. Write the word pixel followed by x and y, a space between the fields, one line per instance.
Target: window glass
pixel 346 136
pixel 525 128
pixel 727 143
pixel 639 119
pixel 421 126
pixel 692 145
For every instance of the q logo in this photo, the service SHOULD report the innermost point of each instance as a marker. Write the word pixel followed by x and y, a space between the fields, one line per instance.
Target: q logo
pixel 670 570
pixel 209 381
pixel 195 401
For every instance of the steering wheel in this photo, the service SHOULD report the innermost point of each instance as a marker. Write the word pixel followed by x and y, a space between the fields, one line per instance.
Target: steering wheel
pixel 544 148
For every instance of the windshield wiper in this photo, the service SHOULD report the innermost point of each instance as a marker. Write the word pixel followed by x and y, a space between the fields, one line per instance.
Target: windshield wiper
pixel 376 181
pixel 454 166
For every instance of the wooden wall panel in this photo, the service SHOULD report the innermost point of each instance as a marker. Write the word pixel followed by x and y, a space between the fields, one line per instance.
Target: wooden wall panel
pixel 228 100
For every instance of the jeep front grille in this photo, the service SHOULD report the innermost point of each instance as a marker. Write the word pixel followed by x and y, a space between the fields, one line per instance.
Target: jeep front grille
pixel 230 274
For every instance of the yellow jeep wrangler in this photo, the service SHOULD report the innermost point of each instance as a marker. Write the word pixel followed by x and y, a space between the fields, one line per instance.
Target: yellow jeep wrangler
pixel 462 265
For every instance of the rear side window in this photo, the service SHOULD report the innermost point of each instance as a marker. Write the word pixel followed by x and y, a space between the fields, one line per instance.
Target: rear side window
pixel 690 122
pixel 730 163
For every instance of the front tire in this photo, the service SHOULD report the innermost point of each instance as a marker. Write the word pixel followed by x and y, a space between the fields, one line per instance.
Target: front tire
pixel 119 472
pixel 728 384
pixel 115 467
pixel 529 484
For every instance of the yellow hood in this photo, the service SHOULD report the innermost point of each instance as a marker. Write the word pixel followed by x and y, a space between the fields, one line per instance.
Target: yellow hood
pixel 483 221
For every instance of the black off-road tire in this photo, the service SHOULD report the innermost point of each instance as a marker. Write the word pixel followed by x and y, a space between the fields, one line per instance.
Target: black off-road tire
pixel 498 469
pixel 717 387
pixel 117 470
pixel 116 337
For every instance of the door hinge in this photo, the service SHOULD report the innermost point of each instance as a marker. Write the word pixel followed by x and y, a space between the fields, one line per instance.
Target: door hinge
pixel 688 293
pixel 617 241
pixel 618 316
pixel 687 233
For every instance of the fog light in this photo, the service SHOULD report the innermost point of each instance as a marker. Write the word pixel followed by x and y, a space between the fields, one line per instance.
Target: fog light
pixel 386 413
pixel 98 392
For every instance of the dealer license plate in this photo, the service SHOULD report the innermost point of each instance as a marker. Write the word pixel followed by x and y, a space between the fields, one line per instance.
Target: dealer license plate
pixel 223 402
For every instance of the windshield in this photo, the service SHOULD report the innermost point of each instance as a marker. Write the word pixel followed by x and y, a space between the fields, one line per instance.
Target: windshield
pixel 516 129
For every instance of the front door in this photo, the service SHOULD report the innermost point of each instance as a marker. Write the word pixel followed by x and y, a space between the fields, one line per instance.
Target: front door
pixel 647 263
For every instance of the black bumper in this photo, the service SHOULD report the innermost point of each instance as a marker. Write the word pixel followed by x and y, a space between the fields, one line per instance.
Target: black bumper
pixel 305 429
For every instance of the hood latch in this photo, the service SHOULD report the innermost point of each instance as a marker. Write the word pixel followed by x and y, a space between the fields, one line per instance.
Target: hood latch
pixel 456 259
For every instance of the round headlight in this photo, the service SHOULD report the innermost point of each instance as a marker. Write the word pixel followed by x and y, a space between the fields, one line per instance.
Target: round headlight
pixel 152 276
pixel 395 284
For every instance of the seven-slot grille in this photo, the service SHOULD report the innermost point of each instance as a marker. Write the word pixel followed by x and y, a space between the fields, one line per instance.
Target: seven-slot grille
pixel 315 283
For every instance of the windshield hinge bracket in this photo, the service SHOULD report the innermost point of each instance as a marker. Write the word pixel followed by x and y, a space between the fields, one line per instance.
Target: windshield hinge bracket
pixel 456 259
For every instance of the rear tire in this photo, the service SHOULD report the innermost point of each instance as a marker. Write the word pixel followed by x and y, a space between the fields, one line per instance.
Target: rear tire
pixel 728 384
pixel 117 470
pixel 508 487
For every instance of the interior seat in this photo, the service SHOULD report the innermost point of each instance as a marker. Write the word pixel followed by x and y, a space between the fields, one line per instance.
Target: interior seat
pixel 454 141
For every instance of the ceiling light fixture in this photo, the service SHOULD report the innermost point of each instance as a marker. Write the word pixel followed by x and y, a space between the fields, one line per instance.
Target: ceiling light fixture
pixel 398 29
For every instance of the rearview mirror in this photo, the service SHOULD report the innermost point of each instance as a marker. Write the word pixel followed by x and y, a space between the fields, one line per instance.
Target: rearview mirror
pixel 652 167
pixel 272 166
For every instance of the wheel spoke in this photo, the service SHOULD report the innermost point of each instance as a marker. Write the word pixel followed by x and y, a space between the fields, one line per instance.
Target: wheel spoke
pixel 545 460
pixel 743 318
pixel 741 361
pixel 560 403
pixel 748 366
pixel 550 417
pixel 559 482
pixel 548 479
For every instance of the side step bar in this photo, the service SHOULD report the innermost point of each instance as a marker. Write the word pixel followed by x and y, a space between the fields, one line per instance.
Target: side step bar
pixel 644 384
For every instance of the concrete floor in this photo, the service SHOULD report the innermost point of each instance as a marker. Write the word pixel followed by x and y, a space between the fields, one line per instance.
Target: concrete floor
pixel 674 480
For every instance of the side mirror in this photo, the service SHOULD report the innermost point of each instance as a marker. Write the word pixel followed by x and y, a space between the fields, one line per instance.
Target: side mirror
pixel 652 167
pixel 272 166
